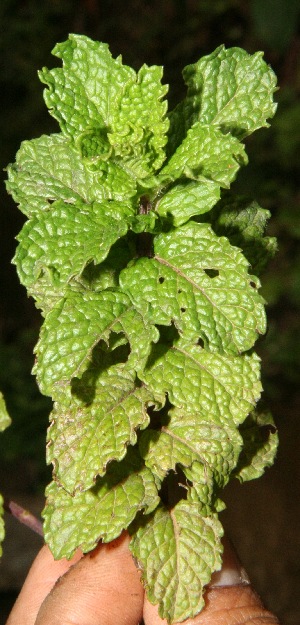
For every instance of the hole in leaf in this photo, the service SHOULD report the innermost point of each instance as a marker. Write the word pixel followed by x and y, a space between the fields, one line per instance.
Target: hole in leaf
pixel 183 309
pixel 173 488
pixel 106 274
pixel 179 291
pixel 116 339
pixel 252 284
pixel 161 280
pixel 103 357
pixel 161 417
pixel 200 342
pixel 168 336
pixel 212 273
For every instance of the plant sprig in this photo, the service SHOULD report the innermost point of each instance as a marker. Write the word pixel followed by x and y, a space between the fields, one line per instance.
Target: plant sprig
pixel 139 262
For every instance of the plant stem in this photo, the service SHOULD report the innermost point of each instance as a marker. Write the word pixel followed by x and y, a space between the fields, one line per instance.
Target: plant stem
pixel 145 239
pixel 24 516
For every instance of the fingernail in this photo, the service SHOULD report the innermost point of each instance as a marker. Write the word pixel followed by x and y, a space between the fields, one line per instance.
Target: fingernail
pixel 232 572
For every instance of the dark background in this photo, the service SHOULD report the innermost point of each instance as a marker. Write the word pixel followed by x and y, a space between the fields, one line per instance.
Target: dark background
pixel 262 517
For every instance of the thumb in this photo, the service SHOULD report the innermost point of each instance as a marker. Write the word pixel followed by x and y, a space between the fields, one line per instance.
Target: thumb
pixel 229 599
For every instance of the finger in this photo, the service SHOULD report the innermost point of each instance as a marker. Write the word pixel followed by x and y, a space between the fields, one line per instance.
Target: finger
pixel 40 580
pixel 103 587
pixel 228 599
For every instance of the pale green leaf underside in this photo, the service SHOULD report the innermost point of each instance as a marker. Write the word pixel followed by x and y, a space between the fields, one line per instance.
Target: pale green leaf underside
pixel 187 439
pixel 220 389
pixel 85 437
pixel 260 442
pixel 74 328
pixel 60 243
pixel 49 169
pixel 178 551
pixel 207 152
pixel 100 513
pixel 201 283
pixel 186 200
pixel 230 89
pixel 243 222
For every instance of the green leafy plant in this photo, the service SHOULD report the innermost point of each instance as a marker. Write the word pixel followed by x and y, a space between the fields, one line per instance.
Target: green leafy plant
pixel 145 270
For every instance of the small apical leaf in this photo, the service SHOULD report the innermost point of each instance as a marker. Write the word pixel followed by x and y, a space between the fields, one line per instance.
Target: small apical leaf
pixel 102 512
pixel 178 550
pixel 140 124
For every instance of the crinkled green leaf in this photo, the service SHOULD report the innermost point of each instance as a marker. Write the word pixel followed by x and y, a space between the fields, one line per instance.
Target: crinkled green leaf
pixel 222 389
pixel 106 274
pixel 186 439
pixel 140 124
pixel 5 421
pixel 230 89
pixel 260 441
pixel 206 486
pixel 243 222
pixel 76 325
pixel 200 282
pixel 93 278
pixel 61 242
pixel 206 151
pixel 106 108
pixel 100 513
pixel 178 550
pixel 188 199
pixel 49 169
pixel 85 93
pixel 144 223
pixel 85 436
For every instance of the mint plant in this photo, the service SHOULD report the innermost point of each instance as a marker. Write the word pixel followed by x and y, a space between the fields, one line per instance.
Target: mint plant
pixel 145 269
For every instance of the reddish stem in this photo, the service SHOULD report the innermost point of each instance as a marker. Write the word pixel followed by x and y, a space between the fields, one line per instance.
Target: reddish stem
pixel 24 516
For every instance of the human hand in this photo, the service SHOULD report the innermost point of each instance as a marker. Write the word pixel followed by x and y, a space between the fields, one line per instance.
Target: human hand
pixel 103 587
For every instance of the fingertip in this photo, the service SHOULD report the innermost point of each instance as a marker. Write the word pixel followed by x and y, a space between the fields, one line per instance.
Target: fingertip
pixel 104 587
pixel 42 576
pixel 223 606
